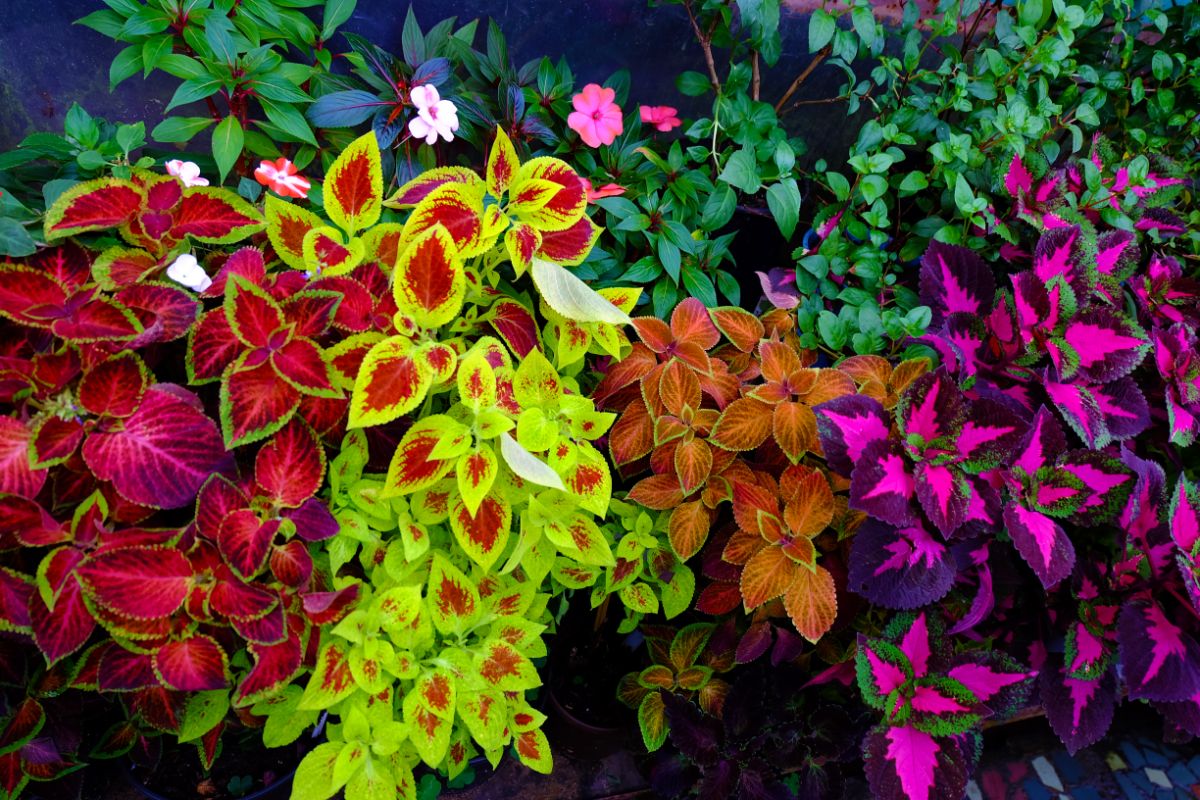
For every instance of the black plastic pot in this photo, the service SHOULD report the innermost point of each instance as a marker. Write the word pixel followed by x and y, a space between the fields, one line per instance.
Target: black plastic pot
pixel 576 737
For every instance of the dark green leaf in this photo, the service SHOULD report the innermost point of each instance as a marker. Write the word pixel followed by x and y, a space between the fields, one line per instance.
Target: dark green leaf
pixel 692 84
pixel 700 286
pixel 783 198
pixel 15 241
pixel 227 141
pixel 741 171
pixel 718 210
pixel 337 12
pixel 179 129
pixel 126 64
pixel 821 27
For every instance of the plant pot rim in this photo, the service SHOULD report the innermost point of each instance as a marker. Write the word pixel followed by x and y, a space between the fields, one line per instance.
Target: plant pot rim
pixel 560 709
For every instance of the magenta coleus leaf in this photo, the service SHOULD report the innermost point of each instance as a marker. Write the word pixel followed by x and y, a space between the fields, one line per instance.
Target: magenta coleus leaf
pixel 1106 483
pixel 903 763
pixel 1079 711
pixel 955 279
pixel 1017 178
pixel 1108 346
pixel 160 455
pixel 194 664
pixel 930 412
pixel 901 568
pixel 16 475
pixel 137 582
pixel 1042 542
pixel 989 435
pixel 60 631
pixel 882 483
pixel 245 541
pixel 1078 406
pixel 1058 255
pixel 166 312
pixel 290 467
pixel 846 425
pixel 1041 445
pixel 944 494
pixel 1184 515
pixel 313 520
pixel 274 665
pixel 1161 661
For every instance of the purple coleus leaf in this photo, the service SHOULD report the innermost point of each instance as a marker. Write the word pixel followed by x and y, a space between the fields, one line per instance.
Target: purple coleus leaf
pixel 930 412
pixel 1106 484
pixel 995 680
pixel 989 436
pixel 944 494
pixel 1058 255
pixel 1141 513
pixel 904 763
pixel 1103 344
pixel 1116 258
pixel 955 279
pixel 1124 408
pixel 1177 356
pixel 1078 406
pixel 1091 643
pixel 846 426
pixel 1162 222
pixel 901 568
pixel 1161 661
pixel 1079 711
pixel 779 287
pixel 1041 542
pixel 882 483
pixel 1042 444
pixel 1184 515
pixel 1165 295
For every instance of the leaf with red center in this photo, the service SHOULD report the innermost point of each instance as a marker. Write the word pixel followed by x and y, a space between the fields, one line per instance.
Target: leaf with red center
pixel 390 382
pixel 436 691
pixel 1042 542
pixel 215 216
pixel 514 323
pixel 1079 711
pixel 92 206
pixel 161 454
pixel 767 575
pixel 569 246
pixel 313 310
pixel 903 762
pixel 275 665
pixel 30 523
pixel 245 542
pixel 582 540
pixel 241 601
pixel 882 483
pixel 354 185
pixel 811 602
pixel 290 467
pixel 429 281
pixel 195 664
pixel 122 267
pixel 900 568
pixel 60 631
pixel 331 679
pixel 326 254
pixel 533 749
pixel 15 592
pixel 954 279
pixel 453 599
pixel 166 312
pixel 123 670
pixel 412 468
pixel 325 608
pixel 23 722
pixel 302 364
pixel 254 402
pixel 1108 345
pixel 1160 660
pixel 743 425
pixel 115 386
pixel 428 732
pixel 30 297
pixel 16 475
pixel 846 426
pixel 502 164
pixel 413 192
pixel 287 226
pixel 589 480
pixel 484 533
pixel 456 208
pixel 142 583
pixel 565 206
pixel 503 668
pixel 211 347
pixel 252 314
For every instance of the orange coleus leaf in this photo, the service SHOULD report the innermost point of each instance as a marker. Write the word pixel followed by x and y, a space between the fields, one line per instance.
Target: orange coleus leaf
pixel 808 500
pixel 439 357
pixel 691 324
pixel 632 435
pixel 744 425
pixel 811 602
pixel 795 429
pixel 390 382
pixel 564 207
pixel 767 575
pixel 742 546
pixel 354 185
pixel 382 244
pixel 678 388
pixel 740 327
pixel 756 510
pixel 287 225
pixel 778 361
pixel 693 463
pixel 484 533
pixel 867 370
pixel 458 208
pixel 657 492
pixel 412 467
pixel 326 254
pixel 502 164
pixel 429 282
pixel 830 384
pixel 688 528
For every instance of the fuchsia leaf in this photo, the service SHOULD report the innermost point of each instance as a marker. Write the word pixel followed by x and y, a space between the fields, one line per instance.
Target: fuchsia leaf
pixel 160 455
pixel 779 287
pixel 1108 345
pixel 1079 711
pixel 846 425
pixel 995 680
pixel 245 542
pixel 1036 307
pixel 1106 482
pixel 195 664
pixel 915 645
pixel 1184 515
pixel 1160 660
pixel 138 582
pixel 122 670
pixel 930 412
pixel 1042 444
pixel 60 631
pixel 1058 255
pixel 1080 409
pixel 954 279
pixel 1041 542
pixel 1116 257
pixel 1017 178
pixel 882 484
pixel 290 467
pixel 901 568
pixel 944 495
pixel 903 762
pixel 16 475
pixel 882 669
pixel 989 435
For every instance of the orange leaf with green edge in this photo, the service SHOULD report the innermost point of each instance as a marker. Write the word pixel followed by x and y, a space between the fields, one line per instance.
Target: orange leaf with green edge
pixel 522 243
pixel 691 324
pixel 657 676
pixel 767 575
pixel 688 643
pixel 906 372
pixel 652 721
pixel 412 468
pixel 390 382
pixel 688 529
pixel 429 282
pixel 678 388
pixel 744 425
pixel 800 550
pixel 693 678
pixel 795 429
pixel 436 690
pixel 504 668
pixel 657 492
pixel 502 164
pixel 452 598
pixel 331 680
pixel 808 499
pixel 830 384
pixel 712 696
pixel 740 327
pixel 325 254
pixel 811 602
pixel 565 207
pixel 742 546
pixel 534 750
pixel 459 209
pixel 693 463
pixel 214 215
pixel 668 429
pixel 482 534
pixel 353 189
pixel 779 360
pixel 346 356
pixel 632 435
pixel 756 510
pixel 416 189
pixel 287 225
pixel 867 369
pixel 428 732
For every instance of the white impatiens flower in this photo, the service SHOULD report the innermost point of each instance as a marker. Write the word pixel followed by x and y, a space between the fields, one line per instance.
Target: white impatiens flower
pixel 186 171
pixel 435 116
pixel 187 271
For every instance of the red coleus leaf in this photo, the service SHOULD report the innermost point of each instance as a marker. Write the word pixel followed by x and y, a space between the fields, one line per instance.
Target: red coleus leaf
pixel 211 347
pixel 254 403
pixel 60 631
pixel 160 455
pixel 114 387
pixel 354 185
pixel 570 246
pixel 122 670
pixel 274 665
pixel 515 324
pixel 301 363
pixel 166 312
pixel 253 314
pixel 30 297
pixel 142 583
pixel 245 541
pixel 215 216
pixel 195 664
pixel 323 608
pixel 16 475
pixel 93 205
pixel 312 311
pixel 292 564
pixel 236 600
pixel 289 468
pixel 15 591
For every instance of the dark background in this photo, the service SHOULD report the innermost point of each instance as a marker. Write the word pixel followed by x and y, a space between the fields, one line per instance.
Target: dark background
pixel 46 62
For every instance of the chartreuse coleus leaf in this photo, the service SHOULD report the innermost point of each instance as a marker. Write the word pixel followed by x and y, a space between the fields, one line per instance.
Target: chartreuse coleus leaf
pixel 574 338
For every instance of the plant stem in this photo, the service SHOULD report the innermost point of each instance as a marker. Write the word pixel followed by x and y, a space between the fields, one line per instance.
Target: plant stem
pixel 821 55
pixel 756 76
pixel 706 44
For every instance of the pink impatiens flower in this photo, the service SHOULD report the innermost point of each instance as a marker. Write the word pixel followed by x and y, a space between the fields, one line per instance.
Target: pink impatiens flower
pixel 607 190
pixel 186 171
pixel 597 117
pixel 282 177
pixel 435 116
pixel 663 118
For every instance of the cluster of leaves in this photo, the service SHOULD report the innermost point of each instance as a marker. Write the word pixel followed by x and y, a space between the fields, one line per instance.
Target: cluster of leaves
pixel 249 61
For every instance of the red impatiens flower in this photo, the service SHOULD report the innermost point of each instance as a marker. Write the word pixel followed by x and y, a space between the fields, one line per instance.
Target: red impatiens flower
pixel 663 118
pixel 597 117
pixel 282 177
pixel 607 190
